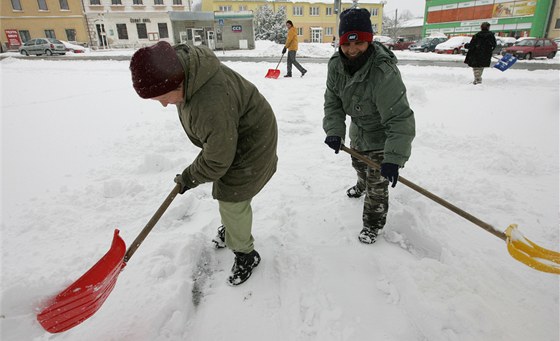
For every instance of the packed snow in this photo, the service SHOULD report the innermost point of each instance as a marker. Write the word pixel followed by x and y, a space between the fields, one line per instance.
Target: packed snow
pixel 82 155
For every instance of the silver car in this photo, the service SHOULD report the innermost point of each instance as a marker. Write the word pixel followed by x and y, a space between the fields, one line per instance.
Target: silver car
pixel 40 46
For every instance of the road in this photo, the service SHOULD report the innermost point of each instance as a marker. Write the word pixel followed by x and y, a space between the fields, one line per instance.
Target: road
pixel 535 65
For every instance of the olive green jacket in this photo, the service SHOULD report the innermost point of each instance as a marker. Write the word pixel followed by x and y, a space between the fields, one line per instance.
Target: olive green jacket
pixel 233 124
pixel 375 99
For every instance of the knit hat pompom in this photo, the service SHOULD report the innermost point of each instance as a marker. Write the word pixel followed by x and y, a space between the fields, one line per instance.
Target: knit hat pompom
pixel 355 25
pixel 156 70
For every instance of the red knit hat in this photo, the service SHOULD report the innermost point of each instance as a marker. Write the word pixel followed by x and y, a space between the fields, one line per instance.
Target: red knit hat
pixel 156 70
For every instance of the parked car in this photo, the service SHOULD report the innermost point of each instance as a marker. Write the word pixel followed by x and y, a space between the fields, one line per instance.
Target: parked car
pixel 74 48
pixel 427 44
pixel 453 45
pixel 41 46
pixel 533 47
pixel 508 41
pixel 398 44
pixel 500 45
pixel 381 39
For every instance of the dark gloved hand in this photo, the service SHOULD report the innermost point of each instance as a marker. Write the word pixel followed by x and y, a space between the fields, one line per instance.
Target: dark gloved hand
pixel 391 172
pixel 179 180
pixel 335 142
pixel 284 50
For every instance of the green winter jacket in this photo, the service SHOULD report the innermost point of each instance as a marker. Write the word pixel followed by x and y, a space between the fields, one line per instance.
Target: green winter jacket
pixel 226 116
pixel 375 99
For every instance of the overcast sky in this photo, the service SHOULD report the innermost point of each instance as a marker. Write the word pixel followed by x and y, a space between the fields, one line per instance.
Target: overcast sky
pixel 414 6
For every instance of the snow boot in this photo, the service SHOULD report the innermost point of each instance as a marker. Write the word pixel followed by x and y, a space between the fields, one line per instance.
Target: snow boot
pixel 220 239
pixel 243 266
pixel 368 235
pixel 354 192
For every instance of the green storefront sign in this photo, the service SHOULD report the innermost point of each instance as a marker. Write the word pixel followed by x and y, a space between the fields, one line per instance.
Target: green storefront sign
pixel 507 17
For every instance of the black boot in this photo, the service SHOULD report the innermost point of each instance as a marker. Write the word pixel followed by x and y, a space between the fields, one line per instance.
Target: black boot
pixel 220 239
pixel 368 235
pixel 243 267
pixel 288 75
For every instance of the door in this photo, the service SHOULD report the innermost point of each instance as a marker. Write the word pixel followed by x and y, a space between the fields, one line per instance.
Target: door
pixel 210 39
pixel 197 34
pixel 316 35
pixel 102 36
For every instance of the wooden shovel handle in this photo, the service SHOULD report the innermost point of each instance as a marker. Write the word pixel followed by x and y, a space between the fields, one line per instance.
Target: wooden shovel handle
pixel 150 225
pixel 432 196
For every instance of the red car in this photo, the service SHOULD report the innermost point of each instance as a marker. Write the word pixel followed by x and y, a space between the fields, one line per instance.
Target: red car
pixel 399 44
pixel 533 47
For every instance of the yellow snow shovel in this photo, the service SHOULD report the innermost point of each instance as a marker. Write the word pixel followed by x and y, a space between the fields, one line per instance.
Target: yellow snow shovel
pixel 518 246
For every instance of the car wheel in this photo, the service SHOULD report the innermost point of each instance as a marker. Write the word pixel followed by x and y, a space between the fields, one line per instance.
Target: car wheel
pixel 528 56
pixel 425 49
pixel 455 51
pixel 25 53
pixel 391 48
pixel 551 55
pixel 48 52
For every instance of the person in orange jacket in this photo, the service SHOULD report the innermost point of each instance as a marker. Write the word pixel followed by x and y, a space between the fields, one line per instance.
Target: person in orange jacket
pixel 292 47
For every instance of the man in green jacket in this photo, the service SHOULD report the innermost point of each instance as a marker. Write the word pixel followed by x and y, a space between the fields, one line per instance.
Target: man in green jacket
pixel 364 83
pixel 225 115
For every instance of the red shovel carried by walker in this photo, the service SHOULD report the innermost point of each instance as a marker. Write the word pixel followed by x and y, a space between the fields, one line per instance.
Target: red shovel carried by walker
pixel 274 73
pixel 86 295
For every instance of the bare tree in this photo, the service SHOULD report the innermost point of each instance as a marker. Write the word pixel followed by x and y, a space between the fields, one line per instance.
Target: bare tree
pixel 393 25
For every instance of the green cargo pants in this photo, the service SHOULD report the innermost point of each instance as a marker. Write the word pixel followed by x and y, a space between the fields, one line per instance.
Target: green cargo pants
pixel 237 217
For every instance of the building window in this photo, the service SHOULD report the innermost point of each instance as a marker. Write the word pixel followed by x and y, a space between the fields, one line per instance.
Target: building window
pixel 177 2
pixel 24 35
pixel 162 29
pixel 116 2
pixel 314 11
pixel 42 5
pixel 137 2
pixel 328 31
pixel 50 34
pixel 329 10
pixel 64 5
pixel 95 2
pixel 242 8
pixel 158 2
pixel 70 34
pixel 142 31
pixel 374 12
pixel 299 31
pixel 16 5
pixel 122 32
pixel 297 11
pixel 224 8
pixel 557 23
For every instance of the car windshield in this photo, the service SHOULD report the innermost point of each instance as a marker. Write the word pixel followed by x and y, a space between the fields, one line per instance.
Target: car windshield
pixel 425 41
pixel 526 42
pixel 54 41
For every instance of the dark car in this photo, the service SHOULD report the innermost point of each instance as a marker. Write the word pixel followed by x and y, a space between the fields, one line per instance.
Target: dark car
pixel 427 44
pixel 533 47
pixel 398 44
pixel 41 46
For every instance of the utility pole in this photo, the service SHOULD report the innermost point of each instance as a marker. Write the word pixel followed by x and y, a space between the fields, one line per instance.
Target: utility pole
pixel 395 26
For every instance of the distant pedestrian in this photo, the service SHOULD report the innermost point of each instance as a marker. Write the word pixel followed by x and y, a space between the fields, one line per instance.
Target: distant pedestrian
pixel 292 47
pixel 480 51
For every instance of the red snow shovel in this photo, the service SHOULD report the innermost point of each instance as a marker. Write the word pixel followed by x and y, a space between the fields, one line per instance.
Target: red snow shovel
pixel 274 73
pixel 86 295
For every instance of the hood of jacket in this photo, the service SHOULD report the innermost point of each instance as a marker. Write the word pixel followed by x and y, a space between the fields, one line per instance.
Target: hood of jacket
pixel 200 66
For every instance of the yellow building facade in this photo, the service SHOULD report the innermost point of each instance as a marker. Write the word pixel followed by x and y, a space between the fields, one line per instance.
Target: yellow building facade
pixel 315 21
pixel 26 19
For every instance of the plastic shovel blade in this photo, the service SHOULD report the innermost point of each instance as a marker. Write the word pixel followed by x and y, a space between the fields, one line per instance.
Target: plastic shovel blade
pixel 506 62
pixel 272 73
pixel 86 295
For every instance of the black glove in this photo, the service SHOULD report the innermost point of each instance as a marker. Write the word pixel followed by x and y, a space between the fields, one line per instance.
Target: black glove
pixel 335 142
pixel 284 49
pixel 179 180
pixel 391 172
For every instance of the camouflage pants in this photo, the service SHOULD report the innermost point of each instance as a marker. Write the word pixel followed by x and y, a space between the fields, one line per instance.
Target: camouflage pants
pixel 477 71
pixel 376 202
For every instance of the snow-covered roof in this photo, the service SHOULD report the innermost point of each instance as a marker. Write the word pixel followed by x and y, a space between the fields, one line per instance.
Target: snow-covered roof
pixel 416 22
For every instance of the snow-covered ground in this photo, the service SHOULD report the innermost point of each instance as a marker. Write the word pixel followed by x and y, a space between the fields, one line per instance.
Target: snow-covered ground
pixel 83 155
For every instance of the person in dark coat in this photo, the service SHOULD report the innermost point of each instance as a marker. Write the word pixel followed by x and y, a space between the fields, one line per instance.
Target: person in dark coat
pixel 232 123
pixel 480 51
